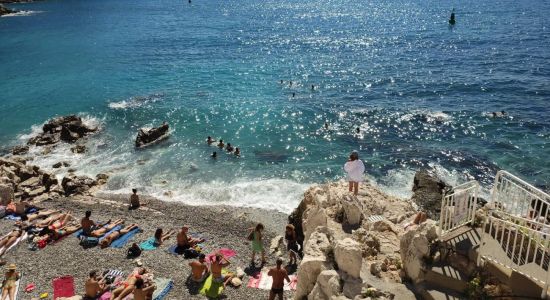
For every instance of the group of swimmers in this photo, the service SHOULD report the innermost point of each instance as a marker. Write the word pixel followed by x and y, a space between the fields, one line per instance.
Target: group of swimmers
pixel 290 83
pixel 228 148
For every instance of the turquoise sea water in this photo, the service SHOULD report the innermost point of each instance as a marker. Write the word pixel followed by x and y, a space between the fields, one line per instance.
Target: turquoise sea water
pixel 419 89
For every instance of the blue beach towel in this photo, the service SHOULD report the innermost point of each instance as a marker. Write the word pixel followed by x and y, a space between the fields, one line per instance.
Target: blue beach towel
pixel 148 245
pixel 12 217
pixel 121 241
pixel 164 285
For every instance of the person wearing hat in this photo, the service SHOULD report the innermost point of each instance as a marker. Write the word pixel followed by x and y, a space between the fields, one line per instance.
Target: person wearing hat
pixel 355 168
pixel 10 283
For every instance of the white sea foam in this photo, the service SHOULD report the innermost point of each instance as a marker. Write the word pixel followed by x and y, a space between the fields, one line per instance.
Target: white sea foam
pixel 279 194
pixel 23 13
pixel 135 102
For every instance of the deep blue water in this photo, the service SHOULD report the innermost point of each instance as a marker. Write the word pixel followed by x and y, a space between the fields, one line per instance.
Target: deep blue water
pixel 419 89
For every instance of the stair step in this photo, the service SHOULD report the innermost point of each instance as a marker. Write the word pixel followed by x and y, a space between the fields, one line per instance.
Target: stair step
pixel 436 293
pixel 445 276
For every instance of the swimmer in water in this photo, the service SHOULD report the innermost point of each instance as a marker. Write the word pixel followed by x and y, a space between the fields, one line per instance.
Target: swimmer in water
pixel 293 95
pixel 209 140
pixel 214 155
pixel 452 20
pixel 229 148
pixel 290 83
pixel 312 87
pixel 237 152
pixel 281 81
pixel 357 130
pixel 221 144
pixel 326 125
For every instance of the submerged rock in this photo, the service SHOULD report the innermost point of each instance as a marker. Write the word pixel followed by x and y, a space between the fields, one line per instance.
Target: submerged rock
pixel 147 137
pixel 4 10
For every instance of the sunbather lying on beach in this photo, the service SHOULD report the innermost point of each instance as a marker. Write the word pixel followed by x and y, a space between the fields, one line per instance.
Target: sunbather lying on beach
pixel 49 220
pixel 108 239
pixel 185 242
pixel 110 225
pixel 38 215
pixel 160 237
pixel 127 286
pixel 10 239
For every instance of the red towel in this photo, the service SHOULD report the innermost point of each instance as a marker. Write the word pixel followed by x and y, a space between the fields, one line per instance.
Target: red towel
pixel 63 287
pixel 227 253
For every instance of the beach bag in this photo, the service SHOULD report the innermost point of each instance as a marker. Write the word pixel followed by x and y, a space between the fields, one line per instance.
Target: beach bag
pixel 190 253
pixel 250 236
pixel 88 242
pixel 134 251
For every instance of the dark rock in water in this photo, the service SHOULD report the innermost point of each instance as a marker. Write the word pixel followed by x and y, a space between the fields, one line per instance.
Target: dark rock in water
pixel 146 137
pixel 4 10
pixel 428 192
pixel 67 128
pixel 18 150
pixel 54 125
pixel 78 149
pixel 73 184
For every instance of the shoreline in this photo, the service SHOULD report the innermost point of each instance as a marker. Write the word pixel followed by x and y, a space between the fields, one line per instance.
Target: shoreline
pixel 222 226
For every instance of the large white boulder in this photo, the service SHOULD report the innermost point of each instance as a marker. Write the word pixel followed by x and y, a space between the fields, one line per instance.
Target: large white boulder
pixel 352 210
pixel 415 247
pixel 314 262
pixel 328 285
pixel 314 216
pixel 349 256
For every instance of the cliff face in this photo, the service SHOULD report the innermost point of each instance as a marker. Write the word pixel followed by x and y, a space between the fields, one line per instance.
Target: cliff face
pixel 351 244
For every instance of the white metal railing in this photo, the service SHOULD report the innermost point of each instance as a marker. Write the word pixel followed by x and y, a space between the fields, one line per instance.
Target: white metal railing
pixel 459 207
pixel 516 197
pixel 517 247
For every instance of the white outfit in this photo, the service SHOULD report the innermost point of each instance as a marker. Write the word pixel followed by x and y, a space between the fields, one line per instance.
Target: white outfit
pixel 355 170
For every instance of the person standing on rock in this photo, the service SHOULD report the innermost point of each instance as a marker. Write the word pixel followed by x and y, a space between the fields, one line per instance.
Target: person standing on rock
pixel 291 243
pixel 279 275
pixel 355 168
pixel 257 242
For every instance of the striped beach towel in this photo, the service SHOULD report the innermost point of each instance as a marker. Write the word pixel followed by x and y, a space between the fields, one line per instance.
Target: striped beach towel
pixel 263 281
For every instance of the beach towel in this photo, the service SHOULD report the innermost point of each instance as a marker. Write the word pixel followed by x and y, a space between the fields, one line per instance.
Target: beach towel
pixel 149 245
pixel 12 217
pixel 121 241
pixel 63 287
pixel 263 281
pixel 23 237
pixel 210 288
pixel 105 296
pixel 164 285
pixel 228 253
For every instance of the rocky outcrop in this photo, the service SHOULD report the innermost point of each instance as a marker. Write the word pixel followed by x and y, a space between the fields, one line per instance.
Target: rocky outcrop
pixel 341 243
pixel 415 248
pixel 4 10
pixel 148 136
pixel 73 184
pixel 428 191
pixel 26 182
pixel 67 128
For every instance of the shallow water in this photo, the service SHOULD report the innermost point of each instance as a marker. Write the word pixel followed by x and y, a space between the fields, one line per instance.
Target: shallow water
pixel 418 89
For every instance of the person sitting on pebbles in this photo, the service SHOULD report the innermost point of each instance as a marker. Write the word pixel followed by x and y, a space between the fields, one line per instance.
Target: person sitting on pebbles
pixel 199 269
pixel 94 286
pixel 219 262
pixel 134 200
pixel 143 291
pixel 160 237
pixel 185 242
pixel 108 239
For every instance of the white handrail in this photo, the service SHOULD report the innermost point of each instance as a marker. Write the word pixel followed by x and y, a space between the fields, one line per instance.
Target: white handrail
pixel 459 207
pixel 514 196
pixel 519 248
